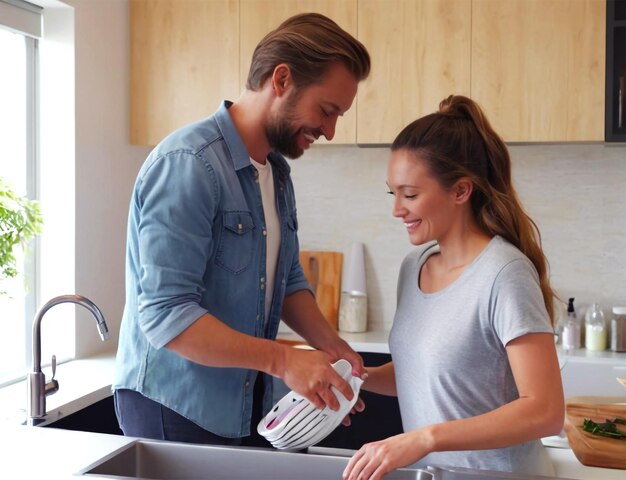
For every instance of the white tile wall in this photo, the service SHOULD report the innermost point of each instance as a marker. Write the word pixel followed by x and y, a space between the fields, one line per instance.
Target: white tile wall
pixel 575 193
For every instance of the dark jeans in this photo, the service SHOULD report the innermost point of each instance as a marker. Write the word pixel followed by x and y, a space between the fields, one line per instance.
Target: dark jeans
pixel 139 416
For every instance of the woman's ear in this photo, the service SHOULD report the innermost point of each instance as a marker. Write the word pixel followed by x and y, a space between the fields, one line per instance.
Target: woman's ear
pixel 281 79
pixel 463 189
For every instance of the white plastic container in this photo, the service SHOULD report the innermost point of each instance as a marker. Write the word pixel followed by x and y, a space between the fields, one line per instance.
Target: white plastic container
pixel 618 329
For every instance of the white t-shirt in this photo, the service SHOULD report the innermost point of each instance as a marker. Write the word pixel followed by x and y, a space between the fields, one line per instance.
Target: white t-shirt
pixel 449 354
pixel 271 228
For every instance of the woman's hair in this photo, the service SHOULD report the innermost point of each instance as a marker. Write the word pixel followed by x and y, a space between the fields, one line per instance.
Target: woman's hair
pixel 309 44
pixel 458 141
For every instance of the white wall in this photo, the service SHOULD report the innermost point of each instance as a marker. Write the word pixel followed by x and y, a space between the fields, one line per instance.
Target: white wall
pixel 576 193
pixel 106 164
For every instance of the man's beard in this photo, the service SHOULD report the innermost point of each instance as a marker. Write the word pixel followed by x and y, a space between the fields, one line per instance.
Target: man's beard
pixel 279 131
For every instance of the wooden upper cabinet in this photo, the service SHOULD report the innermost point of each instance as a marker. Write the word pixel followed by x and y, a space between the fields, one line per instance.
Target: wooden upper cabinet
pixel 420 54
pixel 538 68
pixel 259 17
pixel 184 61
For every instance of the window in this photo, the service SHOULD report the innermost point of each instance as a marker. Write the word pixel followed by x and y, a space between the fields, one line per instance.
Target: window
pixel 38 136
pixel 18 131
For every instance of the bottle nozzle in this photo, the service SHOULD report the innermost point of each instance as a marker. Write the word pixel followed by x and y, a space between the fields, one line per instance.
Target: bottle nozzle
pixel 570 306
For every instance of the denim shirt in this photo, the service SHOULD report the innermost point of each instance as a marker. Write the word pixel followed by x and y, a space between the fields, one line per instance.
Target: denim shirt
pixel 196 244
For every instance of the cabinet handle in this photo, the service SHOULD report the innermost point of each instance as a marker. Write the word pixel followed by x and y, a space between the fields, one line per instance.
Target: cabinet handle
pixel 620 103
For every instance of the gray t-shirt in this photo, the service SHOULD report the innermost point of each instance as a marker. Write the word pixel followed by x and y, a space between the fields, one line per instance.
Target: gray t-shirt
pixel 449 354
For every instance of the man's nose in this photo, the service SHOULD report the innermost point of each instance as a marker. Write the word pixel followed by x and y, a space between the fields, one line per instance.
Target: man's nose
pixel 328 127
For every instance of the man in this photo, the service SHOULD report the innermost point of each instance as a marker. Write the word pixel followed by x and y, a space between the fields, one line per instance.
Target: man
pixel 212 254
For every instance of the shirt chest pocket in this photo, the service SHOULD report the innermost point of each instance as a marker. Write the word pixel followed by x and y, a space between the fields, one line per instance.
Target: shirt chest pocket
pixel 236 244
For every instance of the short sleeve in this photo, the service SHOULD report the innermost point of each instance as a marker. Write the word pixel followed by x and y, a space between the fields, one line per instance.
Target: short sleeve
pixel 517 307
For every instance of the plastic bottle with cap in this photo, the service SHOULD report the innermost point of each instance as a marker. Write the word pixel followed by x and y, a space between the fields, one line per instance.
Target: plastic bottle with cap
pixel 595 329
pixel 571 329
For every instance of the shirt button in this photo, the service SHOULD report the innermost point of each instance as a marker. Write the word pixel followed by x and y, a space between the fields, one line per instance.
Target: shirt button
pixel 264 232
pixel 240 227
pixel 247 383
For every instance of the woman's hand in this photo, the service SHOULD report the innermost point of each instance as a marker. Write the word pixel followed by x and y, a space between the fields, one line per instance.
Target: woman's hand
pixel 376 459
pixel 359 406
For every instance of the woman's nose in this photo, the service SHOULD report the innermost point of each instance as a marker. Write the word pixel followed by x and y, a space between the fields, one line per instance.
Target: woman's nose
pixel 398 209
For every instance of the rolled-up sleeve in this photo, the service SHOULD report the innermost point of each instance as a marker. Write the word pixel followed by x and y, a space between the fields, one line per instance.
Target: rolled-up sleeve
pixel 176 200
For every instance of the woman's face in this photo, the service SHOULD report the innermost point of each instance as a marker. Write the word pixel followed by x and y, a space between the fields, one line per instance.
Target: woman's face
pixel 421 202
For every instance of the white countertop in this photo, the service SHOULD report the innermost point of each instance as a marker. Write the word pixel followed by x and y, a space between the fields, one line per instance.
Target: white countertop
pixel 375 341
pixel 588 356
pixel 36 452
pixel 81 383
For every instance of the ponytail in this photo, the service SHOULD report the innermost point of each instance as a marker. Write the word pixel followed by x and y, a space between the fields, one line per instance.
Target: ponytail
pixel 458 141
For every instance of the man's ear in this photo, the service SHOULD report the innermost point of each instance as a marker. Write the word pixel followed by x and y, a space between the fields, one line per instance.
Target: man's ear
pixel 281 79
pixel 463 189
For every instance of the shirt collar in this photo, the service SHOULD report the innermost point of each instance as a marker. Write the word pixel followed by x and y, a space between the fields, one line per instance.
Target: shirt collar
pixel 240 155
pixel 236 147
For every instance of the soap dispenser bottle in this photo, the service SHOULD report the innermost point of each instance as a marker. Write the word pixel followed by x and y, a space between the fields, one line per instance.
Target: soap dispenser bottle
pixel 571 329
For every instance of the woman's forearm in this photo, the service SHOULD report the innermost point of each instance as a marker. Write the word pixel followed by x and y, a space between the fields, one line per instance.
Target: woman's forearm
pixel 381 380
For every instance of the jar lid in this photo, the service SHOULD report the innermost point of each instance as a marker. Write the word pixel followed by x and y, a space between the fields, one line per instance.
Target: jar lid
pixel 619 310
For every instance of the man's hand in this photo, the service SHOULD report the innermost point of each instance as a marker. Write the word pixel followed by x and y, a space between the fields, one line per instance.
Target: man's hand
pixel 310 373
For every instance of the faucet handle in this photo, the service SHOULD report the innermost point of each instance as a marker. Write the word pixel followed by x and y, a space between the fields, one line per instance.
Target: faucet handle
pixel 53 385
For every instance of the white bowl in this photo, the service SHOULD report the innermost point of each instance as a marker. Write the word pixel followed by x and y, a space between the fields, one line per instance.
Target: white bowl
pixel 294 423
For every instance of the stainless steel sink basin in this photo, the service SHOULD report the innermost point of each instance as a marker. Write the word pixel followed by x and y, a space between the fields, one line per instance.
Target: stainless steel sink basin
pixel 154 460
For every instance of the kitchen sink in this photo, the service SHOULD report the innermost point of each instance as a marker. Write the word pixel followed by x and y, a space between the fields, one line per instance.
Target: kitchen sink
pixel 157 460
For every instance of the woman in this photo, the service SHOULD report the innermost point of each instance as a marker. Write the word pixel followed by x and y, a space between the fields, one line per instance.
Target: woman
pixel 474 363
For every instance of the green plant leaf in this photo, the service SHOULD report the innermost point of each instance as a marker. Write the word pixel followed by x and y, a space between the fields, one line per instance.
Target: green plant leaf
pixel 20 221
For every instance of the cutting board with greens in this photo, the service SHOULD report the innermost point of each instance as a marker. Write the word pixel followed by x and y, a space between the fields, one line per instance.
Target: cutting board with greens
pixel 596 430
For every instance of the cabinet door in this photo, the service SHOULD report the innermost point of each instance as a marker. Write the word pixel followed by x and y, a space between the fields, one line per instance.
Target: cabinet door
pixel 184 61
pixel 538 68
pixel 582 377
pixel 259 17
pixel 420 54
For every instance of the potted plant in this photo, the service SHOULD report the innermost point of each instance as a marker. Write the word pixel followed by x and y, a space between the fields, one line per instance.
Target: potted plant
pixel 20 220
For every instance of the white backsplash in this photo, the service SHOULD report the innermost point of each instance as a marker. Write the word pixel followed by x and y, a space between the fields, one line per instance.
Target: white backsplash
pixel 575 193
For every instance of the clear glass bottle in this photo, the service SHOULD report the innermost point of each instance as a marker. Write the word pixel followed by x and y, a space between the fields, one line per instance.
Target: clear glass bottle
pixel 353 312
pixel 571 328
pixel 595 329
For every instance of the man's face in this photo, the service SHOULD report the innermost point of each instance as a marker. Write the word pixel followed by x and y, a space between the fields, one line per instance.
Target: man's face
pixel 302 115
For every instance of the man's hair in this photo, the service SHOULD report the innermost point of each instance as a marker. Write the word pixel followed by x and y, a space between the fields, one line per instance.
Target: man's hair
pixel 309 44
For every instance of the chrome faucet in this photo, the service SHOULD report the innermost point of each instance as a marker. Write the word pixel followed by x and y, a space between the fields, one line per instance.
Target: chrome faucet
pixel 37 387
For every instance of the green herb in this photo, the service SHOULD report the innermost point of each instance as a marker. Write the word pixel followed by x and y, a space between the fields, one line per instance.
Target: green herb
pixel 606 429
pixel 20 220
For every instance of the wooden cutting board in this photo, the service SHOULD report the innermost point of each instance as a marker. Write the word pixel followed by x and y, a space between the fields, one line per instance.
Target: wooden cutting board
pixel 593 450
pixel 323 271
